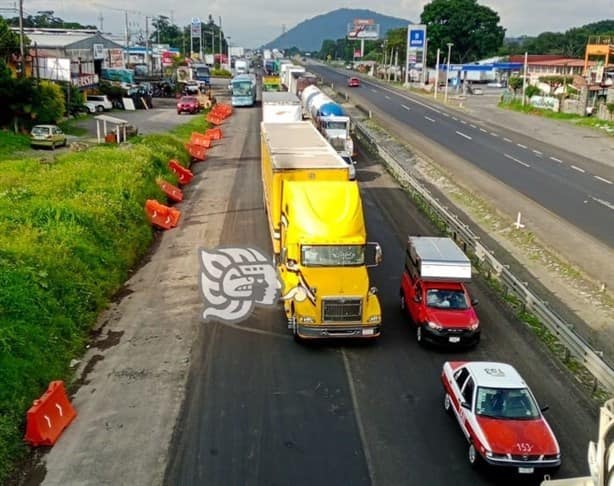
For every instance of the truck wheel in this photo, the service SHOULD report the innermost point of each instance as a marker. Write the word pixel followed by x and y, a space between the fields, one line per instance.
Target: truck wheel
pixel 419 334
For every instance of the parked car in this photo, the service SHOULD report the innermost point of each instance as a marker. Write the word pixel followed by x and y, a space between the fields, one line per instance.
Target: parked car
pixel 188 104
pixel 98 103
pixel 353 82
pixel 499 416
pixel 47 136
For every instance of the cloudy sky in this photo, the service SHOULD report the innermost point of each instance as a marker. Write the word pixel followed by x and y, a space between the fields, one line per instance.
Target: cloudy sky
pixel 251 23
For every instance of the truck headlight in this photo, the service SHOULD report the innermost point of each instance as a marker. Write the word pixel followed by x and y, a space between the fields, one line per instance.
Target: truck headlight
pixel 306 319
pixel 376 318
pixel 434 325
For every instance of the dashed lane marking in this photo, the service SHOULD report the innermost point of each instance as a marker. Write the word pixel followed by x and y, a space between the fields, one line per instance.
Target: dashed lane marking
pixel 602 179
pixel 464 135
pixel 387 97
pixel 516 160
pixel 494 134
pixel 607 204
pixel 509 140
pixel 432 120
pixel 483 130
pixel 521 146
pixel 406 107
pixel 579 169
pixel 556 160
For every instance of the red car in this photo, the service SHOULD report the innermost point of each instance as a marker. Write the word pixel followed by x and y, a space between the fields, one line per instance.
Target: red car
pixel 353 82
pixel 189 104
pixel 499 416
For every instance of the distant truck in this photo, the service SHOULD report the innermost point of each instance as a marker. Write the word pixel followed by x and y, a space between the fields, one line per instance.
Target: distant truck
pixel 280 107
pixel 433 292
pixel 201 74
pixel 319 236
pixel 271 83
pixel 241 66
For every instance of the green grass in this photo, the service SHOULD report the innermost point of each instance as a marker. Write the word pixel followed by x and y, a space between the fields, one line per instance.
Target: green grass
pixel 70 127
pixel 585 121
pixel 12 144
pixel 71 231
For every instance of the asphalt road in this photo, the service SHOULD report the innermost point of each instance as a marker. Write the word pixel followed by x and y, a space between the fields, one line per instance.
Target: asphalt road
pixel 577 189
pixel 262 409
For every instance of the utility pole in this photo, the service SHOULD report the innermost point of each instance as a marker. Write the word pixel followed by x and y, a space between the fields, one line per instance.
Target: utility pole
pixel 22 59
pixel 127 31
pixel 221 50
pixel 436 75
pixel 147 44
pixel 445 95
pixel 101 20
pixel 524 76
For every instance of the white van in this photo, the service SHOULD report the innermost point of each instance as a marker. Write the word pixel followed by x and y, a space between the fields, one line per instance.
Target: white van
pixel 98 103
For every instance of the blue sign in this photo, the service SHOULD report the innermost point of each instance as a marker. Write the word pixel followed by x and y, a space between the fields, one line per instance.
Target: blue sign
pixel 416 38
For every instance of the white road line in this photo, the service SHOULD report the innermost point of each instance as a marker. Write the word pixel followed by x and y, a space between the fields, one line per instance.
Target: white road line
pixel 432 120
pixel 602 179
pixel 374 90
pixel 482 130
pixel 464 135
pixel 507 140
pixel 579 169
pixel 463 122
pixel 607 204
pixel 537 152
pixel 445 114
pixel 387 97
pixel 454 118
pixel 358 417
pixel 516 160
pixel 494 134
pixel 521 146
pixel 472 125
pixel 406 107
pixel 556 160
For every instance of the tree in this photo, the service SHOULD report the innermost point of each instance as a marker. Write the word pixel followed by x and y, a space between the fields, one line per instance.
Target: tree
pixel 473 29
pixel 9 42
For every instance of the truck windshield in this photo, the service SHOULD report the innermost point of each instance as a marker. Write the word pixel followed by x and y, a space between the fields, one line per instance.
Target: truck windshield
pixel 332 255
pixel 242 88
pixel 335 125
pixel 446 299
pixel 202 72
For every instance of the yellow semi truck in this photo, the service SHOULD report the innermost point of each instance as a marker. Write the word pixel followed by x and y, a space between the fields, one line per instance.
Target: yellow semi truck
pixel 319 236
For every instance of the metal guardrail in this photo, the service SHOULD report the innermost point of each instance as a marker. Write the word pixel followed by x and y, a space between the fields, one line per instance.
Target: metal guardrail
pixel 574 344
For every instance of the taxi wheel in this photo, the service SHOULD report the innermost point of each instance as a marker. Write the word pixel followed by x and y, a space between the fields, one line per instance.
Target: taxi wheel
pixel 447 403
pixel 474 457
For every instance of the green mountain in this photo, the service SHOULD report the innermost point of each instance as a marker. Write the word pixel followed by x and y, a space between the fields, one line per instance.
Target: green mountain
pixel 309 34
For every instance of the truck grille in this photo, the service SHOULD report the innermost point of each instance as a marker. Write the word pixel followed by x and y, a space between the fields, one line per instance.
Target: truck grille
pixel 337 143
pixel 342 310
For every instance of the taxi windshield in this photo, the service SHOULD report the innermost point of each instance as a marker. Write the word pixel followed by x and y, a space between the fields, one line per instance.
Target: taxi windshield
pixel 504 403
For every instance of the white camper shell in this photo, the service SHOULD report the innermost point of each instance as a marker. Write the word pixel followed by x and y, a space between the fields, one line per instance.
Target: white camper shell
pixel 438 259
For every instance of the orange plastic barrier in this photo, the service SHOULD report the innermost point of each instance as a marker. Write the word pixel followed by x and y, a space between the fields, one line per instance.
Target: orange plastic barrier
pixel 161 215
pixel 222 110
pixel 200 139
pixel 213 133
pixel 212 118
pixel 184 175
pixel 49 416
pixel 197 152
pixel 173 193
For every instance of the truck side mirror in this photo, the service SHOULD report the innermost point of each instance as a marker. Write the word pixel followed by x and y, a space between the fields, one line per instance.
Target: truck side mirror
pixel 373 254
pixel 474 302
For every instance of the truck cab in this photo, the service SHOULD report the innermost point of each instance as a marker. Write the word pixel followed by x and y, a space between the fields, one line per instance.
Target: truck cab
pixel 433 293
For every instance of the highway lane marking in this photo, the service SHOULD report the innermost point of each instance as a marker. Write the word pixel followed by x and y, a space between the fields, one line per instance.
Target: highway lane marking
pixel 432 120
pixel 454 118
pixel 579 169
pixel 607 204
pixel 463 122
pixel 516 160
pixel 494 134
pixel 537 152
pixel 556 160
pixel 507 140
pixel 602 179
pixel 406 107
pixel 472 125
pixel 357 415
pixel 521 146
pixel 387 97
pixel 483 130
pixel 445 114
pixel 374 90
pixel 464 135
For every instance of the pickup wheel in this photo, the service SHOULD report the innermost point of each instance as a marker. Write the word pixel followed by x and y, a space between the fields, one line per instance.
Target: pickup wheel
pixel 402 303
pixel 474 456
pixel 419 334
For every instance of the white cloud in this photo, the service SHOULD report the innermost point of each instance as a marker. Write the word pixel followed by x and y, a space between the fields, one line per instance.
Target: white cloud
pixel 254 22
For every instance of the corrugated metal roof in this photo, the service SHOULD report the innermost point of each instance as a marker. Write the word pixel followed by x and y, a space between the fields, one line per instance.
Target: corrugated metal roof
pixel 56 40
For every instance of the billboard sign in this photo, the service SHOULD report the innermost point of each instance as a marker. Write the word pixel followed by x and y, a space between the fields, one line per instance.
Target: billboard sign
pixel 416 37
pixel 416 50
pixel 195 28
pixel 363 29
pixel 99 51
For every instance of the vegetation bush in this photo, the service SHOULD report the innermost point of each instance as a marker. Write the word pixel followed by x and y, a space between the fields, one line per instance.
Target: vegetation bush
pixel 221 73
pixel 49 103
pixel 531 91
pixel 70 233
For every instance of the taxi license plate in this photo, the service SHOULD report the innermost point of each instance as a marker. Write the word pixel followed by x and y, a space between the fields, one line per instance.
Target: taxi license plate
pixel 525 470
pixel 367 332
pixel 454 339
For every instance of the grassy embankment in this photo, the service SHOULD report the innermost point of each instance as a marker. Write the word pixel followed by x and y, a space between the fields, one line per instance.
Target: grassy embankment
pixel 70 232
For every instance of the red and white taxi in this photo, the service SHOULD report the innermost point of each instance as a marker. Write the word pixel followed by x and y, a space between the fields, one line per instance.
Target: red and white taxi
pixel 499 416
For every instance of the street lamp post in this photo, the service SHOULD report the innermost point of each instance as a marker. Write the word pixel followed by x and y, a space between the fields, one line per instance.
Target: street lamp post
pixel 445 95
pixel 228 52
pixel 436 75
